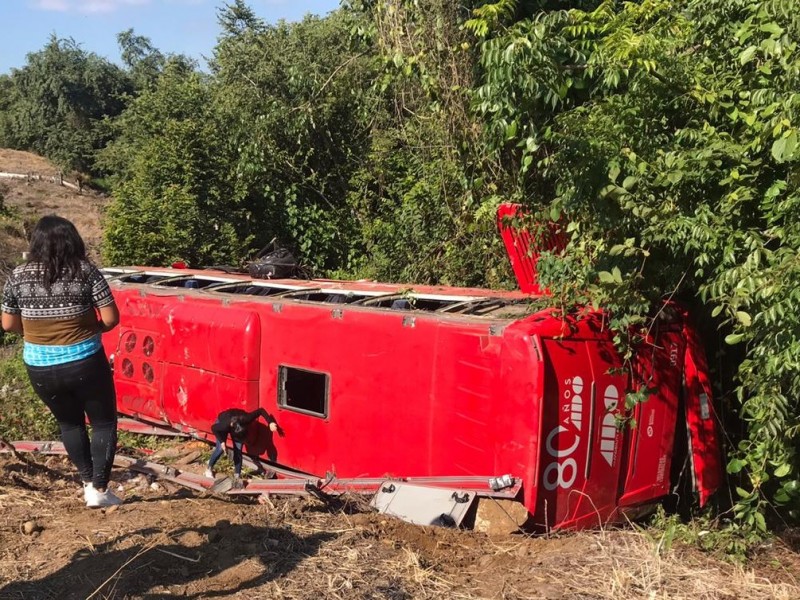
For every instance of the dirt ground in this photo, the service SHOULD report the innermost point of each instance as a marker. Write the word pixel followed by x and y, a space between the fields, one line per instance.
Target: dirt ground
pixel 15 161
pixel 165 541
pixel 27 201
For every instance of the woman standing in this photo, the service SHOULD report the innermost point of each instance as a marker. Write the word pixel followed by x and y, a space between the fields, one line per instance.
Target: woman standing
pixel 53 301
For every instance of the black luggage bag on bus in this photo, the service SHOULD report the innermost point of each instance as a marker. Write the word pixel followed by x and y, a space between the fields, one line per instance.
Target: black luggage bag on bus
pixel 278 264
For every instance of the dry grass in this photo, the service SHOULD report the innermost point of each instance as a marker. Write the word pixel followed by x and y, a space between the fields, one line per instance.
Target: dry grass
pixel 632 568
pixel 30 200
pixel 16 161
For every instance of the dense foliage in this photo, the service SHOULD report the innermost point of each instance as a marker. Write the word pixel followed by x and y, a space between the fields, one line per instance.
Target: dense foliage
pixel 378 141
pixel 56 103
pixel 424 197
pixel 293 103
pixel 670 147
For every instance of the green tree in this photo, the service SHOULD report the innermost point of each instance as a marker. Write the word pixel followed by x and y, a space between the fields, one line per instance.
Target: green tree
pixel 424 197
pixel 170 197
pixel 56 103
pixel 293 100
pixel 144 62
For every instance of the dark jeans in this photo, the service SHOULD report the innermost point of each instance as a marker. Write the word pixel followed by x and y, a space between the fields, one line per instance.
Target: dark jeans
pixel 219 450
pixel 72 392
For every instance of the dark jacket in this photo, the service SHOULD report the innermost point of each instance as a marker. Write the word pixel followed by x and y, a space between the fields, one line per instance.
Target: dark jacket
pixel 234 422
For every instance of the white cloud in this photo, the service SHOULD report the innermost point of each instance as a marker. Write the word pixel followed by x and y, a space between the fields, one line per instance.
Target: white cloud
pixel 105 6
pixel 86 6
pixel 53 5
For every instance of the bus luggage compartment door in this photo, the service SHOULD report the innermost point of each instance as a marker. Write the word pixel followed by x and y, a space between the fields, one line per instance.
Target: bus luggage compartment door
pixel 212 361
pixel 579 464
pixel 652 433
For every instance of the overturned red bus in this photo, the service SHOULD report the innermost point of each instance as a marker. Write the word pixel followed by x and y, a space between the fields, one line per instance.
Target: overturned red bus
pixel 371 380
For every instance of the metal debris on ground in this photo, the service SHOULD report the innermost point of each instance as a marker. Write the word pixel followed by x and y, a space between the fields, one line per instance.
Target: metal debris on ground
pixel 423 505
pixel 422 500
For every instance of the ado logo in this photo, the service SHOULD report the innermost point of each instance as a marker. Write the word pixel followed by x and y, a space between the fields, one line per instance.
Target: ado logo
pixel 608 434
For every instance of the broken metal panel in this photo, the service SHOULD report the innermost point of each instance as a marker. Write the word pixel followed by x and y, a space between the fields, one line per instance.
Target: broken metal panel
pixel 187 479
pixel 291 483
pixel 480 485
pixel 524 248
pixel 190 480
pixel 704 440
pixel 423 505
pixel 143 428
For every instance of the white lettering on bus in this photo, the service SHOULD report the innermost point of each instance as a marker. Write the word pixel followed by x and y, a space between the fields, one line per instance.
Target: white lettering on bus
pixel 608 433
pixel 562 472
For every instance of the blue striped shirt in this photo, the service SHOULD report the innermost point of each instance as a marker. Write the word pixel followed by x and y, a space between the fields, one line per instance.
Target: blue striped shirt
pixel 39 355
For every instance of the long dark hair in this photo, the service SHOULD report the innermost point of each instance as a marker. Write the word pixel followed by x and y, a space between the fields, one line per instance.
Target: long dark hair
pixel 58 248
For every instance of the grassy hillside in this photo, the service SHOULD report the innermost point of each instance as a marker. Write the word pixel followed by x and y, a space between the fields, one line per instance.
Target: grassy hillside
pixel 25 202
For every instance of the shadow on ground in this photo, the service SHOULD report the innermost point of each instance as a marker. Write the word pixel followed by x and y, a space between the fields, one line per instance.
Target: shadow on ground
pixel 227 558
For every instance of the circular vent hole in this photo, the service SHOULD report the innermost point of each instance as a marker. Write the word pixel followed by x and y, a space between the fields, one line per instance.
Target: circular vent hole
pixel 127 367
pixel 147 371
pixel 148 345
pixel 130 342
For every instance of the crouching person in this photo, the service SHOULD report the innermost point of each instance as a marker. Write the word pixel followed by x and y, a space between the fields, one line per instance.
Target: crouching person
pixel 235 422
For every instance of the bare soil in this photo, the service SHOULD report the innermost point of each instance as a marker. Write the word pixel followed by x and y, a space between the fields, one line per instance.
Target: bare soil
pixel 165 541
pixel 27 201
pixel 15 161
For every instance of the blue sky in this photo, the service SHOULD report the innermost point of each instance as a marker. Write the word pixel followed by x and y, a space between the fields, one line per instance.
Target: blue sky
pixel 173 26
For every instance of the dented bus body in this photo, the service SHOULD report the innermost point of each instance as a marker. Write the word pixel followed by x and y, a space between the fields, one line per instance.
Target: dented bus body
pixel 375 380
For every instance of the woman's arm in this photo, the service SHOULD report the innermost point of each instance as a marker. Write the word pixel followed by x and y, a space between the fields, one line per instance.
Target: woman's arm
pixel 109 317
pixel 11 314
pixel 103 300
pixel 12 323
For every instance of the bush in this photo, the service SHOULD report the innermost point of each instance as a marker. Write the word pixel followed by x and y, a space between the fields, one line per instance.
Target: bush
pixel 22 414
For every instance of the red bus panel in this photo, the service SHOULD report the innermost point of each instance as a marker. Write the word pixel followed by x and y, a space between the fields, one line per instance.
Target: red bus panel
pixel 653 436
pixel 579 455
pixel 373 391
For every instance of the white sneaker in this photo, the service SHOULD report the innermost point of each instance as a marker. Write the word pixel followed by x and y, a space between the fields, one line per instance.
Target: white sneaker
pixel 209 473
pixel 97 499
pixel 88 491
